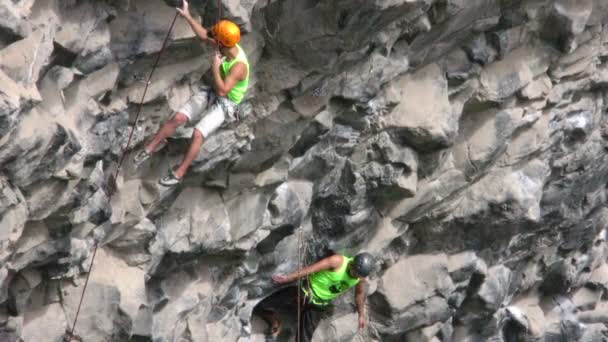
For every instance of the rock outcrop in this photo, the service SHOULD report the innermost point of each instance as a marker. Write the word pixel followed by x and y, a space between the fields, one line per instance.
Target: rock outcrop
pixel 464 143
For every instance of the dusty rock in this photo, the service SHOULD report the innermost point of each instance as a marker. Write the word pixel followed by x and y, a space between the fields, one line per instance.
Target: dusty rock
pixel 461 142
pixel 23 60
pixel 423 116
pixel 504 78
pixel 428 286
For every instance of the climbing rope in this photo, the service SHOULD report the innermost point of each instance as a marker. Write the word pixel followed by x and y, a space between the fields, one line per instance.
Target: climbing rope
pixel 299 285
pixel 113 181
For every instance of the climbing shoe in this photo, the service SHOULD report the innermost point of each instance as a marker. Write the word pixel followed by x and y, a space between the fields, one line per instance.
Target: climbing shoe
pixel 141 157
pixel 170 180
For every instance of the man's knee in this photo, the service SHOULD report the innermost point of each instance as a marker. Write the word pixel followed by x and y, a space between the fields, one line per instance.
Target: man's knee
pixel 179 119
pixel 197 136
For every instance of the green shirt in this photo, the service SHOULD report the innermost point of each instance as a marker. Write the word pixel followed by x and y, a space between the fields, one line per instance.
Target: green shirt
pixel 326 285
pixel 237 92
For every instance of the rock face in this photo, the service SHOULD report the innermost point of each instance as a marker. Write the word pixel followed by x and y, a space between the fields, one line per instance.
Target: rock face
pixel 465 143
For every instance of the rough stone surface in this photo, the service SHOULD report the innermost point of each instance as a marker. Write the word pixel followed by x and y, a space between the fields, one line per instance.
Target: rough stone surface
pixel 463 143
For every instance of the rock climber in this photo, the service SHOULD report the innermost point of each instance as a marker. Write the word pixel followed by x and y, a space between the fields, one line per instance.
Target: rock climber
pixel 207 109
pixel 325 280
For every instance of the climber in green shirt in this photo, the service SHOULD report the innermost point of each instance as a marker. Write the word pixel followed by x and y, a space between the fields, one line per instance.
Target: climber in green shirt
pixel 326 280
pixel 208 108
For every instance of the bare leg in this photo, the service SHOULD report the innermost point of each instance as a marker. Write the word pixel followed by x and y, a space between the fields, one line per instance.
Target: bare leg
pixel 272 318
pixel 167 130
pixel 195 148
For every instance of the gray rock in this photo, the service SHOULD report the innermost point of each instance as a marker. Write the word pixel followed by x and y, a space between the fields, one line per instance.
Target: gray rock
pixel 586 299
pixel 537 89
pixel 506 40
pixel 78 94
pixel 479 50
pixel 248 213
pixel 163 78
pixel 5 278
pixel 362 82
pixel 102 318
pixel 416 289
pixel 13 215
pixel 83 28
pixel 51 317
pixel 13 17
pixel 389 170
pixel 504 78
pixel 496 288
pixel 275 135
pixel 184 229
pixel 490 149
pixel 579 63
pixel 465 20
pixel 462 267
pixel 23 60
pixel 135 237
pixel 343 328
pixel 423 117
pixel 41 154
pixel 595 333
pixel 51 86
pixel 290 202
pixel 426 334
pixel 483 138
pixel 515 193
pixel 183 301
pixel 566 19
pixel 22 286
pixel 319 159
pixel 14 100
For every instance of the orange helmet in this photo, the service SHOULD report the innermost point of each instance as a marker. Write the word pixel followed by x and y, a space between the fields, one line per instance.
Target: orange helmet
pixel 227 33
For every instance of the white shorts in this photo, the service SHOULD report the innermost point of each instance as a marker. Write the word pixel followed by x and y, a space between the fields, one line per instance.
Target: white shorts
pixel 207 111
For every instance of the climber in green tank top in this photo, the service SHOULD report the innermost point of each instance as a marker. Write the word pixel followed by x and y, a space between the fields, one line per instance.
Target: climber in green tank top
pixel 208 109
pixel 330 278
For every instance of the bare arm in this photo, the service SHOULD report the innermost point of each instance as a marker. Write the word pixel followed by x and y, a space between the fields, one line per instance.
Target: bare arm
pixel 237 73
pixel 195 25
pixel 332 262
pixel 360 299
pixel 199 30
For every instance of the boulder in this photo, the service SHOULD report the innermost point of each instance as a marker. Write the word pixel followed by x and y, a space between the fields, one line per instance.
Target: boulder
pixel 390 170
pixel 14 100
pixel 48 323
pixel 503 78
pixel 416 289
pixel 13 17
pixel 13 216
pixel 24 60
pixel 290 203
pixel 185 228
pixel 483 137
pixel 342 328
pixel 423 116
pixel 101 318
pixel 566 19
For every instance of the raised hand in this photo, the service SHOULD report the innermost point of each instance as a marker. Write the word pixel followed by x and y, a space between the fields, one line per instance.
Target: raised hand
pixel 185 10
pixel 280 279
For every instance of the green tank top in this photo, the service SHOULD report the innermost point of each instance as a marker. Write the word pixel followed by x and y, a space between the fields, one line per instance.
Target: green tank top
pixel 327 284
pixel 238 91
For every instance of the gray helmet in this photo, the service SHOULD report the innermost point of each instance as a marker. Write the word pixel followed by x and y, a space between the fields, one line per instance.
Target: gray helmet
pixel 363 264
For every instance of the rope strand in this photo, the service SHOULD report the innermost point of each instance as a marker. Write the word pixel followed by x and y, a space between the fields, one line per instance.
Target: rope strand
pixel 299 284
pixel 113 188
